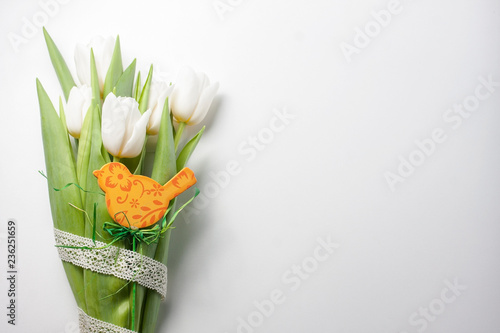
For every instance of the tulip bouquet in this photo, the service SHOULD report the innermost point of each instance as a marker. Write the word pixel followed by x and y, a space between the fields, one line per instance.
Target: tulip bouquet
pixel 112 244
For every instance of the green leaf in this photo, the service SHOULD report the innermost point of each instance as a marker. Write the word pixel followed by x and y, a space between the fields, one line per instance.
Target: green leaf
pixel 115 69
pixel 143 101
pixel 96 161
pixel 61 170
pixel 62 115
pixel 62 70
pixel 164 167
pixel 137 88
pixel 188 150
pixel 83 156
pixel 125 83
pixel 94 83
pixel 85 143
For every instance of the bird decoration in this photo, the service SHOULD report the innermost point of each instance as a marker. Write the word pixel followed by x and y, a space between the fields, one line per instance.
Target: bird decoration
pixel 136 201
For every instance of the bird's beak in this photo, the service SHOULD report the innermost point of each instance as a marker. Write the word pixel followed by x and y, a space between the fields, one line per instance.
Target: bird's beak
pixel 97 173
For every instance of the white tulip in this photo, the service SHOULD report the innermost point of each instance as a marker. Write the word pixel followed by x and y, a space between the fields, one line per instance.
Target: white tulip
pixel 192 96
pixel 158 93
pixel 103 52
pixel 123 126
pixel 79 101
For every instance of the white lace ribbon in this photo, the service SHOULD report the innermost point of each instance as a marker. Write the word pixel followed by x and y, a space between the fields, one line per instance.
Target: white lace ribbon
pixel 122 263
pixel 90 324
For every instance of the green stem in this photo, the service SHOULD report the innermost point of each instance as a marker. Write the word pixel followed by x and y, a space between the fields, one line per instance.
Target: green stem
pixel 116 159
pixel 178 135
pixel 134 285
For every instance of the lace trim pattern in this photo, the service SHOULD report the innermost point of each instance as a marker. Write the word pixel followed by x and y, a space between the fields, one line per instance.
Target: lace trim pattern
pixel 89 324
pixel 122 263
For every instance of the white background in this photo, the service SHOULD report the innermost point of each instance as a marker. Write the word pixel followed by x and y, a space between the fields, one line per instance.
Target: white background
pixel 322 176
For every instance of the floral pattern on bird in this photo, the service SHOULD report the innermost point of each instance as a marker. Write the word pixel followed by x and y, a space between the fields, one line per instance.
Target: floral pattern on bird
pixel 118 175
pixel 139 201
pixel 157 189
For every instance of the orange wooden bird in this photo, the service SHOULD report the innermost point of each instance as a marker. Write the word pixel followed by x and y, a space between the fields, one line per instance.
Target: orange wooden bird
pixel 139 201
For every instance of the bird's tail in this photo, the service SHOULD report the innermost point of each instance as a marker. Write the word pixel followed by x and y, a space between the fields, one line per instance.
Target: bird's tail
pixel 180 182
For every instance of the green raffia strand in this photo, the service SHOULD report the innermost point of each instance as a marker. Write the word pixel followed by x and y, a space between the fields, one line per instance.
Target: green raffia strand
pixel 74 206
pixel 61 170
pixel 88 218
pixel 145 235
pixel 62 70
pixel 119 232
pixel 94 225
pixel 68 185
pixel 125 84
pixel 115 69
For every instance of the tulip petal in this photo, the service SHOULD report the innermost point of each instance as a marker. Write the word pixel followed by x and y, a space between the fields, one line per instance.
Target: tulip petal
pixel 78 103
pixel 135 143
pixel 203 79
pixel 113 124
pixel 156 90
pixel 82 62
pixel 107 51
pixel 157 110
pixel 204 103
pixel 131 110
pixel 103 51
pixel 185 95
